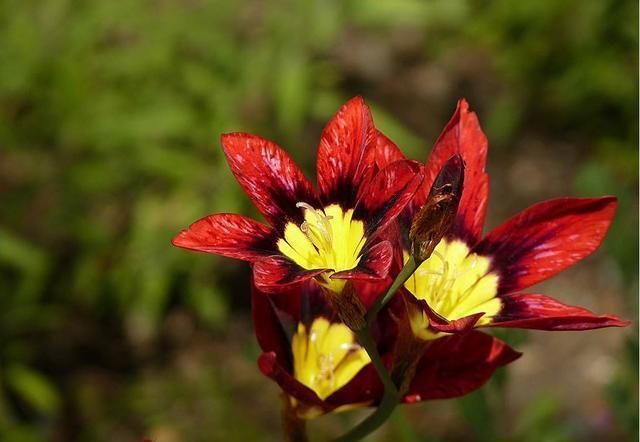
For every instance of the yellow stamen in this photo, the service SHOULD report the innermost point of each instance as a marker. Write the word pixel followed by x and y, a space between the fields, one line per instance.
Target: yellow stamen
pixel 319 232
pixel 326 357
pixel 327 239
pixel 455 283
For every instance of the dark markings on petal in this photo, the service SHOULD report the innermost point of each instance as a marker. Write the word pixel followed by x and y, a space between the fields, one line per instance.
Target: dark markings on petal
pixel 269 177
pixel 387 194
pixel 273 273
pixel 373 265
pixel 545 239
pixel 344 146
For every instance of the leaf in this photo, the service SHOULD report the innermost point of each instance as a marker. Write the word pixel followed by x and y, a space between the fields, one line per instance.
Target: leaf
pixel 34 388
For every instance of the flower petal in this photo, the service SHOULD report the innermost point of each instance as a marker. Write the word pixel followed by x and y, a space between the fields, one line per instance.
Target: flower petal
pixel 273 273
pixel 301 302
pixel 343 147
pixel 364 388
pixel 386 196
pixel 546 238
pixel 370 290
pixel 385 152
pixel 373 265
pixel 541 312
pixel 456 365
pixel 268 176
pixel 461 325
pixel 439 323
pixel 269 329
pixel 462 135
pixel 269 366
pixel 229 235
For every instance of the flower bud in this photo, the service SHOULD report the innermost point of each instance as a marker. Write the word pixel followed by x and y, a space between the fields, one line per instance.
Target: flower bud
pixel 437 215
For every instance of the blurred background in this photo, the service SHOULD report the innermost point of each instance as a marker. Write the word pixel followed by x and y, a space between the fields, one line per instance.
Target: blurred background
pixel 110 114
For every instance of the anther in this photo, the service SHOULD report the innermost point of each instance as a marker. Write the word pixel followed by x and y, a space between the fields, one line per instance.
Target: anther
pixel 301 205
pixel 323 226
pixel 349 346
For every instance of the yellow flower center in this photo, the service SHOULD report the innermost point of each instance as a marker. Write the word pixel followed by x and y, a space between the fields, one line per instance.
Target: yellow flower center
pixel 326 357
pixel 455 283
pixel 327 239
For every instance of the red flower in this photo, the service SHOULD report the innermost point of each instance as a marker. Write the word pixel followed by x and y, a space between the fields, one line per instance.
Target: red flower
pixel 469 281
pixel 331 235
pixel 318 362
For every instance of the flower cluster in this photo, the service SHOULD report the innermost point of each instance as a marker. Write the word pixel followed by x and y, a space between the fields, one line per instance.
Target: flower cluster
pixel 383 268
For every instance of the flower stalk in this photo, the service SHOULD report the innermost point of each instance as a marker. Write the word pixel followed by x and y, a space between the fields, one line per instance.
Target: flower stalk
pixel 429 226
pixel 409 267
pixel 392 396
pixel 294 428
pixel 389 402
pixel 390 399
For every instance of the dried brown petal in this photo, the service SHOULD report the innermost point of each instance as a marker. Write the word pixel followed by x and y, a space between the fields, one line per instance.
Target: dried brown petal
pixel 436 217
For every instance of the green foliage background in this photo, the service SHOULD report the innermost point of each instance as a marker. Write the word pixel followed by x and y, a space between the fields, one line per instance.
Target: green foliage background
pixel 110 114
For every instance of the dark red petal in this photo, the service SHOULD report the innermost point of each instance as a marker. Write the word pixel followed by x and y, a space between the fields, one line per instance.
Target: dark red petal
pixel 439 323
pixel 289 300
pixel 385 152
pixel 296 303
pixel 373 265
pixel 229 235
pixel 344 145
pixel 461 325
pixel 268 176
pixel 393 234
pixel 273 273
pixel 270 367
pixel 388 193
pixel 456 365
pixel 544 313
pixel 546 238
pixel 269 329
pixel 370 290
pixel 365 387
pixel 462 135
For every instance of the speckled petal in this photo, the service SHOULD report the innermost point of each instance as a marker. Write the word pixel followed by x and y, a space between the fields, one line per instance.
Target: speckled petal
pixel 268 176
pixel 229 235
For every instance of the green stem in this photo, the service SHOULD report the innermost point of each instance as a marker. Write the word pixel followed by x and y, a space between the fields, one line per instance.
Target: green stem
pixel 365 339
pixel 409 267
pixel 389 400
pixel 374 420
pixel 391 397
pixel 294 428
